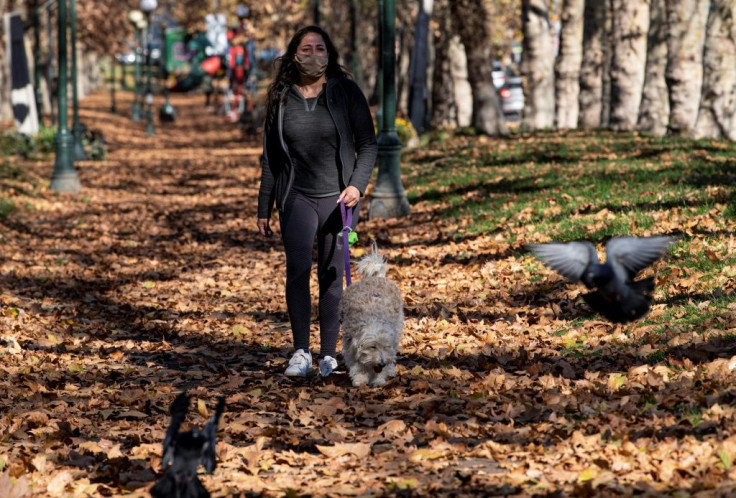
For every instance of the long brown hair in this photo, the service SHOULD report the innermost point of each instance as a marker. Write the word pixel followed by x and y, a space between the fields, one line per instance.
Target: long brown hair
pixel 288 74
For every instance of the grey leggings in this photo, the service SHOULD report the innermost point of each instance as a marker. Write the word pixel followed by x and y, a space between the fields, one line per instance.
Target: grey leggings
pixel 302 219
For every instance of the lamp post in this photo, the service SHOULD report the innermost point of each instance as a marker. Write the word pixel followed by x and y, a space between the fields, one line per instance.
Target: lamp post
pixel 388 198
pixel 77 128
pixel 148 6
pixel 64 178
pixel 167 113
pixel 136 18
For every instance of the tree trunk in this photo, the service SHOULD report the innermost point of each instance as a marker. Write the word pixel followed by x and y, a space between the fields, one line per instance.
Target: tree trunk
pixel 418 71
pixel 686 21
pixel 471 20
pixel 591 72
pixel 537 65
pixel 462 91
pixel 655 106
pixel 443 108
pixel 718 101
pixel 567 66
pixel 630 25
pixel 607 61
pixel 405 41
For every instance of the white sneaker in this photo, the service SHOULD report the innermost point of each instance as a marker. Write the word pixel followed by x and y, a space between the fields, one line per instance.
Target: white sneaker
pixel 299 365
pixel 327 365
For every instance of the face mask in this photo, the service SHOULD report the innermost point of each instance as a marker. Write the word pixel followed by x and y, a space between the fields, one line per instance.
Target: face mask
pixel 311 66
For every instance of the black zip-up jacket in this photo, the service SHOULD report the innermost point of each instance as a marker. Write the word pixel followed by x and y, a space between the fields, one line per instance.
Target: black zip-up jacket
pixel 356 140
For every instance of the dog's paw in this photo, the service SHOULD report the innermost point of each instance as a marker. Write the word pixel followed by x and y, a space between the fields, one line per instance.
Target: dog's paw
pixel 359 378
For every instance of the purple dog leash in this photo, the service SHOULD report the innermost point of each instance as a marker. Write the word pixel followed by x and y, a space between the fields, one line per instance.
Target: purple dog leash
pixel 347 223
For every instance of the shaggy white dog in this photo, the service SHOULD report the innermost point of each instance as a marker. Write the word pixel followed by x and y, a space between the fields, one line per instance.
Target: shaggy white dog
pixel 372 317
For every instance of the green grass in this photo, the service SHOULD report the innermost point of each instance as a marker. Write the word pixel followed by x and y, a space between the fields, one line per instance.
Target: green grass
pixel 594 186
pixel 13 179
pixel 560 184
pixel 6 207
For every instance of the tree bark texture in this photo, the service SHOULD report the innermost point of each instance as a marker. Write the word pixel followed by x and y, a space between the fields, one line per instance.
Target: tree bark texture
pixel 405 41
pixel 655 106
pixel 686 21
pixel 462 91
pixel 591 71
pixel 443 109
pixel 418 69
pixel 471 20
pixel 630 26
pixel 607 61
pixel 568 63
pixel 537 65
pixel 718 101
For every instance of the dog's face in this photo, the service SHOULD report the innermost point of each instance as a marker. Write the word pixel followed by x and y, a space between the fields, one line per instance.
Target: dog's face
pixel 376 350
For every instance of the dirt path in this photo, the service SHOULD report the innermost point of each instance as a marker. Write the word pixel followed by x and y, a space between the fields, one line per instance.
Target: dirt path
pixel 153 280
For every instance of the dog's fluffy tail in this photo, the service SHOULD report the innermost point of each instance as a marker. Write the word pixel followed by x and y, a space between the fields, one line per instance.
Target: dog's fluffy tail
pixel 373 264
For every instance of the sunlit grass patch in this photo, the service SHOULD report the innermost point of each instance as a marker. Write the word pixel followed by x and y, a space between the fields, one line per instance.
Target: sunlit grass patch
pixel 596 186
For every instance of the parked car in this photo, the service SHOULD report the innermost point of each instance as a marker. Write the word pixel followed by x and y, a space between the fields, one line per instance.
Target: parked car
pixel 511 95
pixel 498 73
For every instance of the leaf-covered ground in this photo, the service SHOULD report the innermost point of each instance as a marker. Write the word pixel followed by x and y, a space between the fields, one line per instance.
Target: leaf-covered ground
pixel 153 280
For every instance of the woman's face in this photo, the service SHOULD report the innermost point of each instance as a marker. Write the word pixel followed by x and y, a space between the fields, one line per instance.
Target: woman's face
pixel 312 44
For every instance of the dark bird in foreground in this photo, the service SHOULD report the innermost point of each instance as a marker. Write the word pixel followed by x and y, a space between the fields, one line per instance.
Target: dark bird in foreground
pixel 185 451
pixel 615 294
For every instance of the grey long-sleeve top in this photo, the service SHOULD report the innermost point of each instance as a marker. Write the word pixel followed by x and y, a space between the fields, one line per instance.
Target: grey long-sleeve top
pixel 356 145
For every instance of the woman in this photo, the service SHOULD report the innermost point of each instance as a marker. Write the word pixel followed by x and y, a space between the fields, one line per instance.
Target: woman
pixel 319 148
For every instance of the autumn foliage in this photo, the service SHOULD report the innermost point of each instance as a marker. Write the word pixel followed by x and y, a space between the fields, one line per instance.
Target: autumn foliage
pixel 154 280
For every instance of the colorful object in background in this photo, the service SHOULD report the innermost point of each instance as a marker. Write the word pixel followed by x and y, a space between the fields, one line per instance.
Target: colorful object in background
pixel 176 56
pixel 212 65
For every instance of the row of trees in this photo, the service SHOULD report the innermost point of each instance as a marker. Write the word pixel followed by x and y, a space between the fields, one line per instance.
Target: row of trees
pixel 660 66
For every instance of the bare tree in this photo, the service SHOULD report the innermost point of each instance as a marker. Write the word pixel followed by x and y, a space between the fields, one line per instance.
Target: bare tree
pixel 718 100
pixel 567 65
pixel 686 21
pixel 655 106
pixel 630 25
pixel 591 72
pixel 537 65
pixel 470 18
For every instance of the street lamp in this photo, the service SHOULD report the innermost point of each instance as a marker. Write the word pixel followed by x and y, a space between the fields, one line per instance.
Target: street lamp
pixel 136 18
pixel 389 197
pixel 64 178
pixel 77 129
pixel 167 113
pixel 148 6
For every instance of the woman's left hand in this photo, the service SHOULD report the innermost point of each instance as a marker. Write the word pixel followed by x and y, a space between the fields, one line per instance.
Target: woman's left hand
pixel 350 195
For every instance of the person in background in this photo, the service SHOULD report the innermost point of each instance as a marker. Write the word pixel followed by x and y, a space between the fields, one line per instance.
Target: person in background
pixel 319 148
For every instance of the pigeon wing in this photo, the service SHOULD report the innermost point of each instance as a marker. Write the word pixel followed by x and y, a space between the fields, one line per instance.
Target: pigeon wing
pixel 630 255
pixel 178 412
pixel 568 259
pixel 209 432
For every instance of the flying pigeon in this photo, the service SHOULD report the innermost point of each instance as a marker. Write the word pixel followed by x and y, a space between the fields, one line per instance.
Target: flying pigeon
pixel 615 294
pixel 185 451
